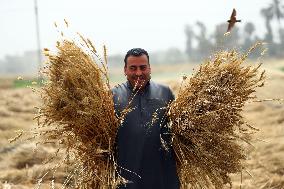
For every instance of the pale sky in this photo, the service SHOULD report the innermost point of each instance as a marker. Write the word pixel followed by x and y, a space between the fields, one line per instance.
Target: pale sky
pixel 120 24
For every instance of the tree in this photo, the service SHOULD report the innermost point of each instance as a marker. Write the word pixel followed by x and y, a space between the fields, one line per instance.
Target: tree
pixel 281 46
pixel 274 10
pixel 225 42
pixel 173 55
pixel 281 36
pixel 24 64
pixel 204 46
pixel 267 13
pixel 277 9
pixel 249 29
pixel 189 40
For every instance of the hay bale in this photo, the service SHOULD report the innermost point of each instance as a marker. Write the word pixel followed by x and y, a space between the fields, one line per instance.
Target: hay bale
pixel 77 112
pixel 208 128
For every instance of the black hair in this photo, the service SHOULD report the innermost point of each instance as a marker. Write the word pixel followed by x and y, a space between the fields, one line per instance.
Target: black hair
pixel 135 52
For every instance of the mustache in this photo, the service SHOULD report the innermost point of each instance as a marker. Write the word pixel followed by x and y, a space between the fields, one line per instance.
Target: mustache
pixel 138 77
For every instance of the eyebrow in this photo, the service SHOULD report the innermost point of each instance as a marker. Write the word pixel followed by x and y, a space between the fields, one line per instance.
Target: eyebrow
pixel 141 66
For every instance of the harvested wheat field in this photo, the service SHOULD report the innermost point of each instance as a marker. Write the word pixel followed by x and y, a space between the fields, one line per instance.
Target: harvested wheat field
pixel 21 162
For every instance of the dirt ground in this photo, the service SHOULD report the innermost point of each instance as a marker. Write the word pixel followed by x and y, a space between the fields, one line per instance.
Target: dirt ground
pixel 21 162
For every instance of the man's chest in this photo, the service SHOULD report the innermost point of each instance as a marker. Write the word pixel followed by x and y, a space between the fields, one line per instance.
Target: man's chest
pixel 141 105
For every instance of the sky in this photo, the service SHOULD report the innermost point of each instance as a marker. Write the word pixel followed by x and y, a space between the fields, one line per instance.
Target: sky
pixel 119 24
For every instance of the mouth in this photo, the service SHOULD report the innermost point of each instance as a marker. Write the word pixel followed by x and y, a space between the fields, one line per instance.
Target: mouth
pixel 139 83
pixel 139 80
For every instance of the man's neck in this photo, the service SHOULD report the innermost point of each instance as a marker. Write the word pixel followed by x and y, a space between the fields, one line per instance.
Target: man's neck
pixel 134 88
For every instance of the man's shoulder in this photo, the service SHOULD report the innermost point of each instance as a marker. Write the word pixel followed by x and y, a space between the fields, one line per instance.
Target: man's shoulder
pixel 158 90
pixel 119 88
pixel 159 86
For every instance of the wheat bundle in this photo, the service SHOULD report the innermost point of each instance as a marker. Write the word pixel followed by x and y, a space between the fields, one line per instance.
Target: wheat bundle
pixel 208 129
pixel 78 112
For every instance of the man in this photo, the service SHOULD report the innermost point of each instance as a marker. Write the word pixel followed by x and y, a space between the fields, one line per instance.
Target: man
pixel 141 157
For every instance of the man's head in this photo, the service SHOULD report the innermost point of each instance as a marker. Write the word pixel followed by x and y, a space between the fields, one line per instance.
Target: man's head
pixel 137 67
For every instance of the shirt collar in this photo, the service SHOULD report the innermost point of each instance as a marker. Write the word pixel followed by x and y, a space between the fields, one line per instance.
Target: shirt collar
pixel 131 87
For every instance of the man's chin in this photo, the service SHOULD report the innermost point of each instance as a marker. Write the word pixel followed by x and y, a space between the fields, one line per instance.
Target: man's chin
pixel 139 85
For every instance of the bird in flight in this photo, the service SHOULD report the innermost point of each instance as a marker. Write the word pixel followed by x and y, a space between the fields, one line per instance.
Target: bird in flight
pixel 232 20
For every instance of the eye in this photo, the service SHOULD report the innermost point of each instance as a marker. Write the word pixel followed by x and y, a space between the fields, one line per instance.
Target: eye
pixel 132 68
pixel 143 68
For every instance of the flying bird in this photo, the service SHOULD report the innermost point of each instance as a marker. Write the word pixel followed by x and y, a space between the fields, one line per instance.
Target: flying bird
pixel 232 20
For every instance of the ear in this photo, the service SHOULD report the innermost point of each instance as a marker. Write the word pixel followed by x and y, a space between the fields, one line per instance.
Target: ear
pixel 124 70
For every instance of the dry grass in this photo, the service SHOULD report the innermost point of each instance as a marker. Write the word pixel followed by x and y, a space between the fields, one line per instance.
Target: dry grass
pixel 263 167
pixel 19 164
pixel 77 113
pixel 208 128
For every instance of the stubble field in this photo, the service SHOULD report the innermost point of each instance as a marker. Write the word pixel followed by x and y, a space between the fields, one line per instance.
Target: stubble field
pixel 21 162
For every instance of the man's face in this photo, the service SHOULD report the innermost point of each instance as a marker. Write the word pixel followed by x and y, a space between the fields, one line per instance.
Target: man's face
pixel 138 71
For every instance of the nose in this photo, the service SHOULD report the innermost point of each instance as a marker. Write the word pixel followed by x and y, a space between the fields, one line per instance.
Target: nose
pixel 138 72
